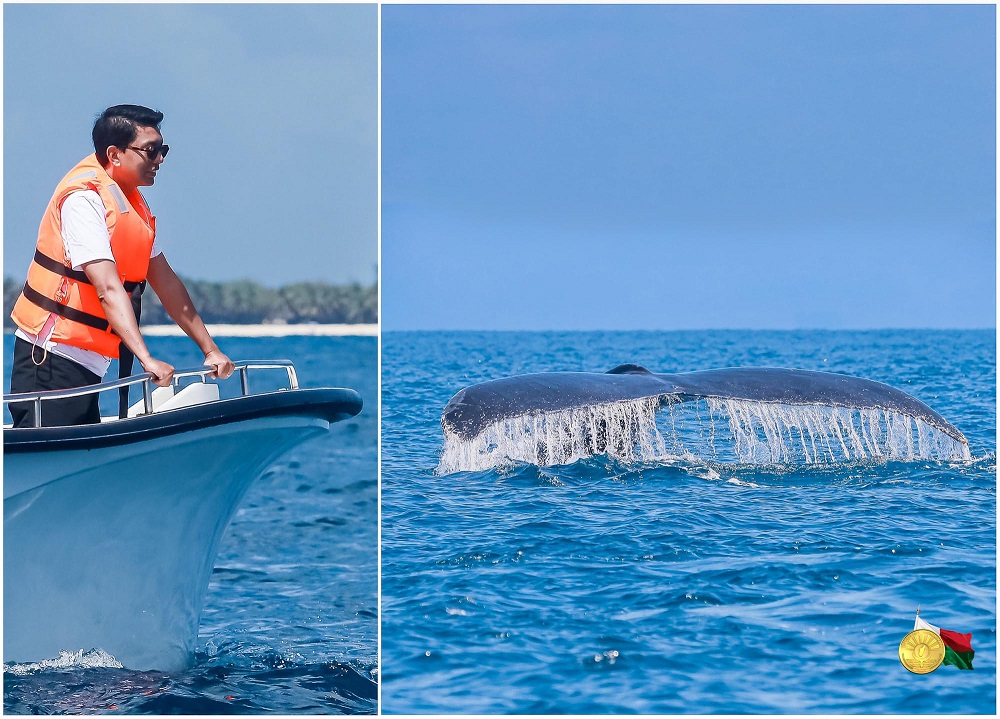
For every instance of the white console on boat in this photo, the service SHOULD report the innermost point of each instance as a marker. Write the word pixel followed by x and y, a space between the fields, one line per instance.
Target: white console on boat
pixel 165 398
pixel 158 397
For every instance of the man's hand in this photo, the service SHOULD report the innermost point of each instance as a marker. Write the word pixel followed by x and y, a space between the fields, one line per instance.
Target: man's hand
pixel 221 365
pixel 163 373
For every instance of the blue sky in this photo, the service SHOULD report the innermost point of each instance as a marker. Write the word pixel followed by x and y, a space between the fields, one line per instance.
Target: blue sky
pixel 678 167
pixel 271 112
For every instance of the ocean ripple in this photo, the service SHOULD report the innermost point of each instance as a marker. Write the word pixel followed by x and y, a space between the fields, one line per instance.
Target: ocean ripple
pixel 684 585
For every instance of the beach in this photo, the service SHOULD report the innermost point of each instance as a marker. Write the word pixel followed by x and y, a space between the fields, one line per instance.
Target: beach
pixel 289 330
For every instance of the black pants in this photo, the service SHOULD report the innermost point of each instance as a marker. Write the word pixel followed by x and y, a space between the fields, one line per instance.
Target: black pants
pixel 52 372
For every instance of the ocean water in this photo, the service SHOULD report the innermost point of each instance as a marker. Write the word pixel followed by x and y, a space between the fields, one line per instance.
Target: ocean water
pixel 290 622
pixel 680 583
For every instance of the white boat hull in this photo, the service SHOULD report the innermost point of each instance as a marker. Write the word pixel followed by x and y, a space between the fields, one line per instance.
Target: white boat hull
pixel 112 547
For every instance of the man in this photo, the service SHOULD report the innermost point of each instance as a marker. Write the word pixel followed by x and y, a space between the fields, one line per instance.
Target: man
pixel 96 249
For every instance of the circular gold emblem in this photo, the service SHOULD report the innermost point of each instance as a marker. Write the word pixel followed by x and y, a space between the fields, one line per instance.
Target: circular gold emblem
pixel 921 651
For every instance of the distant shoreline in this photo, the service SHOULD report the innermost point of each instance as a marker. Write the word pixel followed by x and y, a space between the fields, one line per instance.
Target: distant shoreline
pixel 289 330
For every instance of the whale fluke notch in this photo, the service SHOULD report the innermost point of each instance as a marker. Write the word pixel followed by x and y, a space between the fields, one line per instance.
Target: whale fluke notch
pixel 489 405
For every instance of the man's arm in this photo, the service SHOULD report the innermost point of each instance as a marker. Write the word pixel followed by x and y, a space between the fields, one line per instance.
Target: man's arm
pixel 177 302
pixel 103 275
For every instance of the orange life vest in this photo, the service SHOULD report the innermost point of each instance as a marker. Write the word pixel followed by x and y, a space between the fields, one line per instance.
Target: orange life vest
pixel 55 288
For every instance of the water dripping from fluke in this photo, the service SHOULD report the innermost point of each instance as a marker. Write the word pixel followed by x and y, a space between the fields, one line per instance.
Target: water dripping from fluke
pixel 759 416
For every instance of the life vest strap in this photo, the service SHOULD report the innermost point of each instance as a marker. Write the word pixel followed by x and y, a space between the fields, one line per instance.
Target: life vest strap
pixel 75 315
pixel 57 267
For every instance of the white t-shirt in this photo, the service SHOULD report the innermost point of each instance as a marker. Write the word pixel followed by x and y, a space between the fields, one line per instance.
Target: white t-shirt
pixel 86 239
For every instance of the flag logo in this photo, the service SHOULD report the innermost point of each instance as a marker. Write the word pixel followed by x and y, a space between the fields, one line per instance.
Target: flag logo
pixel 927 647
pixel 921 651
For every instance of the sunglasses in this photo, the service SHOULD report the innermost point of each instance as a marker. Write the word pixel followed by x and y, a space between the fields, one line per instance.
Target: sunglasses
pixel 152 152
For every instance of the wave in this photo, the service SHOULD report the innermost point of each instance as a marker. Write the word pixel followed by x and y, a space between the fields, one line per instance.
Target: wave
pixel 227 679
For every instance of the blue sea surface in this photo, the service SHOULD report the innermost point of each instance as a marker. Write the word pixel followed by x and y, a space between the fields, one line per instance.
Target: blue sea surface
pixel 684 587
pixel 290 622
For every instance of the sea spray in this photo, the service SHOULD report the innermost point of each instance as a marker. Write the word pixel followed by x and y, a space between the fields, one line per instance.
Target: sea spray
pixel 624 430
pixel 713 429
pixel 772 433
pixel 94 658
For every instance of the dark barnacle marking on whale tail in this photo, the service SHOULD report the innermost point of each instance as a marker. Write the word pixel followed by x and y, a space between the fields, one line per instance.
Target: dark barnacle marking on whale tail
pixel 628 369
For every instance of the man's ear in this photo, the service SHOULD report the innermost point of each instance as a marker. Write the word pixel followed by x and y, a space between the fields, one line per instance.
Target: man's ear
pixel 114 155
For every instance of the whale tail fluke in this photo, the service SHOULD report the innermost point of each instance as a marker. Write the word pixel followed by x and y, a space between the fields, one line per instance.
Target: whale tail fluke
pixel 772 415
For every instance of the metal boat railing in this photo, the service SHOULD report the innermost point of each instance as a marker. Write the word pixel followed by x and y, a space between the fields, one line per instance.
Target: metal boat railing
pixel 146 380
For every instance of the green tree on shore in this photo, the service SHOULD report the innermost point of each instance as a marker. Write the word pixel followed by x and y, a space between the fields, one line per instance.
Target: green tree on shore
pixel 249 302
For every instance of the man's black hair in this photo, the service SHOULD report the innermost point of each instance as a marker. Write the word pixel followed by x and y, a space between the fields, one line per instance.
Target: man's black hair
pixel 117 126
